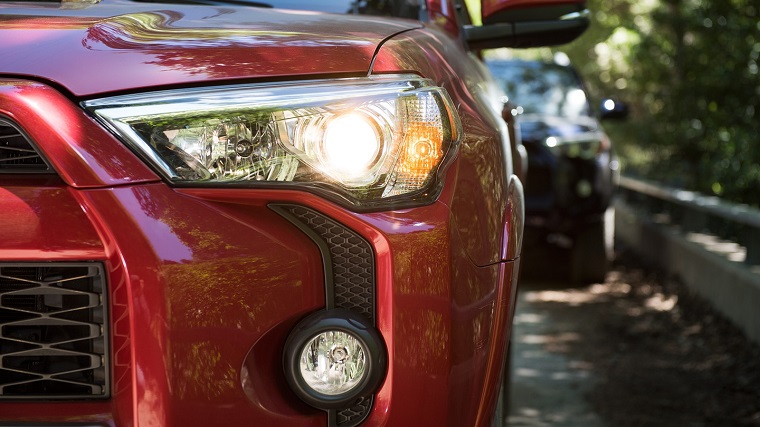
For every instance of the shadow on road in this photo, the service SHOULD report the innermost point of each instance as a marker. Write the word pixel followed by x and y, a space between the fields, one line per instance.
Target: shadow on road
pixel 548 381
pixel 636 350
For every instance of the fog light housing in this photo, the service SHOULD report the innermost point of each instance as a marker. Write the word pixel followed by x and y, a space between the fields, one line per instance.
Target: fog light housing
pixel 332 358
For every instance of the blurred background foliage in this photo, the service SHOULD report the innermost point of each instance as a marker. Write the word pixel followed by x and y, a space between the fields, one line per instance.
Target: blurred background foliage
pixel 688 70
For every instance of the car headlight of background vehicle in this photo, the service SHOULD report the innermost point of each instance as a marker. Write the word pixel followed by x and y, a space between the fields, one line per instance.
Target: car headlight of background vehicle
pixel 369 141
pixel 584 147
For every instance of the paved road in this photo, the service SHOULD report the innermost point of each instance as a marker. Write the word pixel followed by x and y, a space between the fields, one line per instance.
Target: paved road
pixel 637 350
pixel 548 380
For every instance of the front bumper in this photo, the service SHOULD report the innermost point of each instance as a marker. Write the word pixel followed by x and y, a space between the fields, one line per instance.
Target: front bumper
pixel 563 192
pixel 204 287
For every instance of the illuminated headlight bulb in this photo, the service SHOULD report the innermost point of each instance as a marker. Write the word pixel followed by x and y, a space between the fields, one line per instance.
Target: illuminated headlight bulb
pixel 351 146
pixel 333 363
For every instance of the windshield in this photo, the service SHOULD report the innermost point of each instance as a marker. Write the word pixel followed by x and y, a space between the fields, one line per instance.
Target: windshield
pixel 542 88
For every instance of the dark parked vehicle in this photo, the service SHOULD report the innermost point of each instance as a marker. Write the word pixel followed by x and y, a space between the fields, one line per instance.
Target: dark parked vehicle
pixel 265 213
pixel 572 169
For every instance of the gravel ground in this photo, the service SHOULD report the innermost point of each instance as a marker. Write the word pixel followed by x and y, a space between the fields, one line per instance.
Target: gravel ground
pixel 637 350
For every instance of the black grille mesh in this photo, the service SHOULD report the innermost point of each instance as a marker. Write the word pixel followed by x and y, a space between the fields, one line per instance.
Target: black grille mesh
pixel 16 152
pixel 355 414
pixel 353 276
pixel 52 331
pixel 352 261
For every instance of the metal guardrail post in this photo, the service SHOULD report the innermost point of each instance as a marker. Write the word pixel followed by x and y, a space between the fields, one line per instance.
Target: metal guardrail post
pixel 694 221
pixel 751 242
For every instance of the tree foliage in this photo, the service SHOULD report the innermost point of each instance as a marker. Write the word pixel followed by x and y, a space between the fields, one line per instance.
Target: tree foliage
pixel 689 71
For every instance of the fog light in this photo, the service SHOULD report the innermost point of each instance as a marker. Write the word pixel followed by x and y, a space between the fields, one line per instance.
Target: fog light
pixel 333 362
pixel 332 358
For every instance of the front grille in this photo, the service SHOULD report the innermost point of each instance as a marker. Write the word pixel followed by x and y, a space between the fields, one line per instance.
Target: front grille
pixel 16 152
pixel 540 178
pixel 52 331
pixel 350 265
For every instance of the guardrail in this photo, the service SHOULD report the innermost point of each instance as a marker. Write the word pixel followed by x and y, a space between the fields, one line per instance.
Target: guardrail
pixel 694 212
pixel 713 246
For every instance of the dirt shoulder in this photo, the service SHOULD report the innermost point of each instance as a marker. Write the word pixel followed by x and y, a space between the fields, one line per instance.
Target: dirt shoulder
pixel 658 354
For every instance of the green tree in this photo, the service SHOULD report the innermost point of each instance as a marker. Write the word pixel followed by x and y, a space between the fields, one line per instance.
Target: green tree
pixel 689 71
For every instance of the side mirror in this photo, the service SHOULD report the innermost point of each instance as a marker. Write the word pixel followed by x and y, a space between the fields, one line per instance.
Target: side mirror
pixel 527 23
pixel 611 109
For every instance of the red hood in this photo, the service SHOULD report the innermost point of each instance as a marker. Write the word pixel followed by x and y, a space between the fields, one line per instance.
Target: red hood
pixel 118 45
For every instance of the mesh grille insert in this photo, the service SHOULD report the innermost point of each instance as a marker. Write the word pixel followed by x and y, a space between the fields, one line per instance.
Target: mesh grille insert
pixel 355 414
pixel 52 331
pixel 16 152
pixel 352 259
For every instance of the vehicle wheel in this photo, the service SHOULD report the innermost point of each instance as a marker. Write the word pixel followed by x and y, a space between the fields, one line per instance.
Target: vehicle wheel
pixel 591 253
pixel 501 416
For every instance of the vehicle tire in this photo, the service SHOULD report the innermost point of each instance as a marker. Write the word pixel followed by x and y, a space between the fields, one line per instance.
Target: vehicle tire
pixel 501 416
pixel 592 251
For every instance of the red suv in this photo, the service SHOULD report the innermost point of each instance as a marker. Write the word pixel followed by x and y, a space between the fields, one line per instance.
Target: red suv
pixel 277 213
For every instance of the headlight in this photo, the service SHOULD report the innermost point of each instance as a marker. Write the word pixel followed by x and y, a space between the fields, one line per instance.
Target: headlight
pixel 585 148
pixel 363 141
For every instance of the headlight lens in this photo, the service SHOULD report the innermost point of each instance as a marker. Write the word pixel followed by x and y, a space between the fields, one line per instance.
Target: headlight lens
pixel 367 141
pixel 585 148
